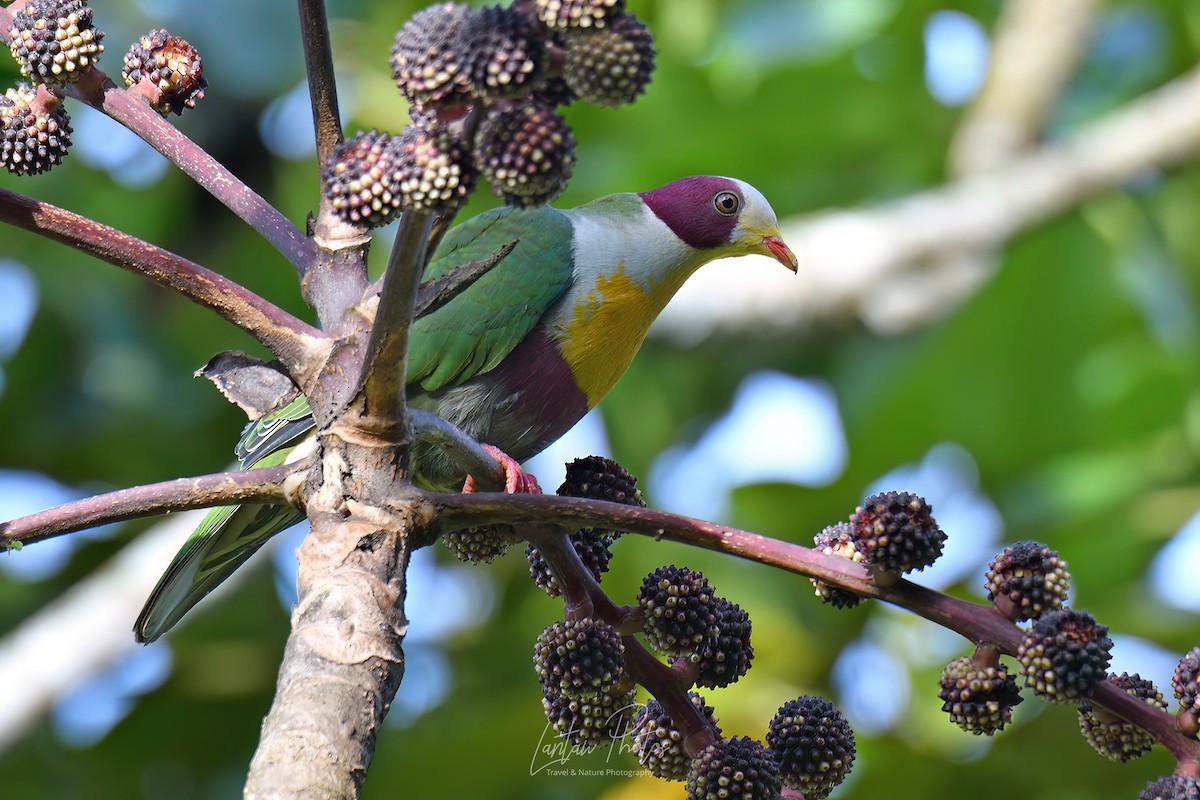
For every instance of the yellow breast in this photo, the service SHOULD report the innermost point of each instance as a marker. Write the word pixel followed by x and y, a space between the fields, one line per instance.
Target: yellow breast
pixel 608 327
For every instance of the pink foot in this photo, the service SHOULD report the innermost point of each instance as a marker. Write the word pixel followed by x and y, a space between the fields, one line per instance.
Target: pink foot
pixel 516 480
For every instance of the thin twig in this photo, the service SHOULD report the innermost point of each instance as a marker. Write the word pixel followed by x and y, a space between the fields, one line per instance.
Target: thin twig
pixel 132 110
pixel 337 279
pixel 322 88
pixel 264 485
pixel 298 345
pixel 584 597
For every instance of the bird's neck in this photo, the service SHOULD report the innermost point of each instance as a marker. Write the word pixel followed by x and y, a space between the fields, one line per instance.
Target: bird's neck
pixel 628 265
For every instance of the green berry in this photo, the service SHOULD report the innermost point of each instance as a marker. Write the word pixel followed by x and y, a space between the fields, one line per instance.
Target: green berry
pixel 612 66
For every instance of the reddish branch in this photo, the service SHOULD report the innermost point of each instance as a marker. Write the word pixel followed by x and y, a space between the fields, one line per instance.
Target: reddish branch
pixel 298 344
pixel 980 624
pixel 133 111
pixel 265 485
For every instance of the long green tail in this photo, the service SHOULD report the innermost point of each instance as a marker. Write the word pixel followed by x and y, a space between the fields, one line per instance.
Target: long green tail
pixel 229 534
pixel 225 539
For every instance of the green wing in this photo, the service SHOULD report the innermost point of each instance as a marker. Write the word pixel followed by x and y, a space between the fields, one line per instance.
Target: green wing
pixel 468 336
pixel 473 333
pixel 273 432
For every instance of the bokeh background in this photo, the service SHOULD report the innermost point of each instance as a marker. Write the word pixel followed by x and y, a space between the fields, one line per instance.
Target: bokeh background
pixel 1043 385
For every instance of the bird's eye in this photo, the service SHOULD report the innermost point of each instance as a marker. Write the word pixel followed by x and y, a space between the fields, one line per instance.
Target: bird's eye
pixel 727 203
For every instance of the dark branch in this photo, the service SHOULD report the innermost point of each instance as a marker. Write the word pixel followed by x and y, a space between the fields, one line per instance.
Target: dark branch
pixel 465 451
pixel 322 88
pixel 265 485
pixel 336 280
pixel 978 623
pixel 298 344
pixel 133 111
pixel 383 374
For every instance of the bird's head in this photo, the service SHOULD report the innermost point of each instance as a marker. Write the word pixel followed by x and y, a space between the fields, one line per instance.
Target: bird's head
pixel 724 216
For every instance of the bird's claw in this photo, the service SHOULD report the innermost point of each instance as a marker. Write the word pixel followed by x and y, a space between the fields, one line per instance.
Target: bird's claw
pixel 516 480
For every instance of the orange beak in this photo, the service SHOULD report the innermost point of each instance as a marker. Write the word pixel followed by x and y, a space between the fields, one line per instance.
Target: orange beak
pixel 781 252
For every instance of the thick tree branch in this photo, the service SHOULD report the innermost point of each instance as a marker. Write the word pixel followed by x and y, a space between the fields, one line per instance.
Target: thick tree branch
pixel 977 623
pixel 343 661
pixel 1035 50
pixel 265 485
pixel 299 346
pixel 873 263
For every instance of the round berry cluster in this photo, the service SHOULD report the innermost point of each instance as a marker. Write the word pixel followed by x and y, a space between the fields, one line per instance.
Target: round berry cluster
pixel 483 86
pixel 55 43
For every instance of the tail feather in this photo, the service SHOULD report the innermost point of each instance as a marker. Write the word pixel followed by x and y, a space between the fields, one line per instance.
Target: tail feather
pixel 224 540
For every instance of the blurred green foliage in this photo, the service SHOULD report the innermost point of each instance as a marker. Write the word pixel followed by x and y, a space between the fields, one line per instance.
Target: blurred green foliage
pixel 1070 380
